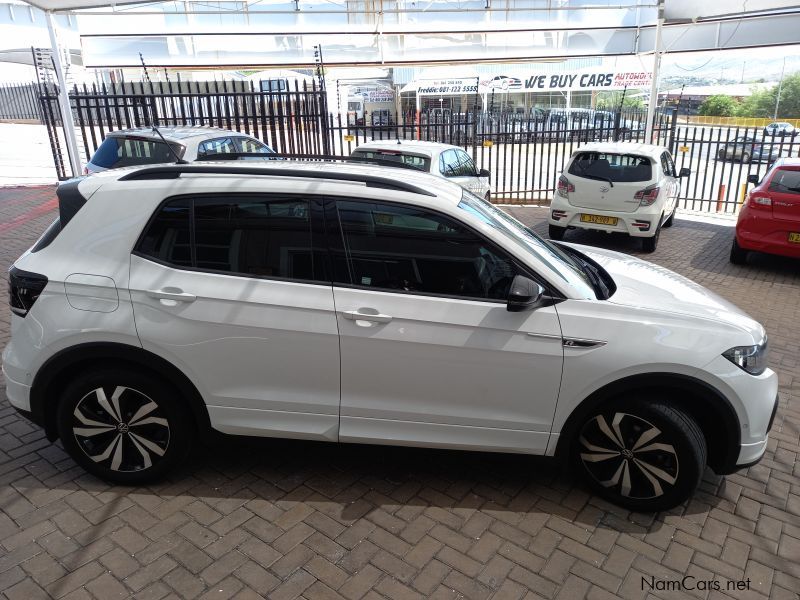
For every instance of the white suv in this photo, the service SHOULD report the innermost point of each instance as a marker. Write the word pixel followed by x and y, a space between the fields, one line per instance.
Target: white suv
pixel 356 303
pixel 444 160
pixel 624 187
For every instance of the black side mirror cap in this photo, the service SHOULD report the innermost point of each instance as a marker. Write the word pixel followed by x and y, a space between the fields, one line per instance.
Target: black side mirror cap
pixel 752 178
pixel 484 173
pixel 524 294
pixel 685 172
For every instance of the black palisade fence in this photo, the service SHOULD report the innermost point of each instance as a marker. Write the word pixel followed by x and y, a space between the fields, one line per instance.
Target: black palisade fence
pixel 19 102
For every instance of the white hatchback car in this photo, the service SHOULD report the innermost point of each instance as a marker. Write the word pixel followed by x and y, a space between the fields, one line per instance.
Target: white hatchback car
pixel 355 303
pixel 144 146
pixel 620 186
pixel 443 160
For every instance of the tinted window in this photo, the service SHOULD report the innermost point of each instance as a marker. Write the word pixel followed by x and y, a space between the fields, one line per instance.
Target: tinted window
pixel 244 144
pixel 217 146
pixel 254 237
pixel 167 238
pixel 448 163
pixel 422 163
pixel 128 151
pixel 403 248
pixel 785 181
pixel 250 236
pixel 616 167
pixel 666 164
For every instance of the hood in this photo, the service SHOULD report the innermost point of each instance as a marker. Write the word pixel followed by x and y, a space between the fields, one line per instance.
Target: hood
pixel 645 285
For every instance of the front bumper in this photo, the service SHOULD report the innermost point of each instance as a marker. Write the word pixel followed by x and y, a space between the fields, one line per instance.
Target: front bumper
pixel 641 223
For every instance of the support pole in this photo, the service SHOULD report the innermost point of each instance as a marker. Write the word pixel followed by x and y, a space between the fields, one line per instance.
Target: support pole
pixel 63 101
pixel 651 107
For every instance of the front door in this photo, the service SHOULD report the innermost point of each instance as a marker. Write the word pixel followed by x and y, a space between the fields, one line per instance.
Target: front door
pixel 430 355
pixel 228 288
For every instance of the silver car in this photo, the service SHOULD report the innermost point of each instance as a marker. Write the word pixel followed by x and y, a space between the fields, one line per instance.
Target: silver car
pixel 144 146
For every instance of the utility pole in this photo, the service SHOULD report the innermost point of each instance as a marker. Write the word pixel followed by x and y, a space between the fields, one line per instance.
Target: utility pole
pixel 780 85
pixel 651 107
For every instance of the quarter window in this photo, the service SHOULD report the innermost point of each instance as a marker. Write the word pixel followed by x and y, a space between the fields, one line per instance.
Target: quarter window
pixel 407 249
pixel 251 236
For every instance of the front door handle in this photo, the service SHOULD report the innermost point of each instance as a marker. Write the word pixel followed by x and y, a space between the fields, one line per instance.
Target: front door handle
pixel 176 295
pixel 355 315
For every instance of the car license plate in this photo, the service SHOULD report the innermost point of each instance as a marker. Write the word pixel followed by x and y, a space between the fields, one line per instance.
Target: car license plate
pixel 794 238
pixel 599 219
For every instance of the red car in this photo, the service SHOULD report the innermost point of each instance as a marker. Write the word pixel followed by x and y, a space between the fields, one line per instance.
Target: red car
pixel 770 217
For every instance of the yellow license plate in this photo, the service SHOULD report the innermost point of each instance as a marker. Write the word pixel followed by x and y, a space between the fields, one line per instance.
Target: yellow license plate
pixel 794 238
pixel 599 219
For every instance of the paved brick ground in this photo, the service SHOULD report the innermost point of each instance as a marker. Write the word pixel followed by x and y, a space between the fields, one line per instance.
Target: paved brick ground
pixel 293 519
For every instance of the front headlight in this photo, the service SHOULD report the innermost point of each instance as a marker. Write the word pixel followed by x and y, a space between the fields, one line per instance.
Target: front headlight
pixel 752 359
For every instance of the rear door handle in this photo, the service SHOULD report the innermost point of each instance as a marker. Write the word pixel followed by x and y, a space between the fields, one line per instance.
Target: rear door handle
pixel 176 296
pixel 355 315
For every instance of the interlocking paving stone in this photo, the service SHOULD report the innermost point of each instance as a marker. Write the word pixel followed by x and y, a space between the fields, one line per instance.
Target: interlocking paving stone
pixel 287 519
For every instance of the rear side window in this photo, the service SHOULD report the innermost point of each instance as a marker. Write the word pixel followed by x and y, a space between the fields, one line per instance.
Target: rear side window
pixel 251 236
pixel 620 168
pixel 217 146
pixel 785 181
pixel 418 162
pixel 130 151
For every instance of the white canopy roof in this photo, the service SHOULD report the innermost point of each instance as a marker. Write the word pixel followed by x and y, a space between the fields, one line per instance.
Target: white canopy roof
pixel 62 5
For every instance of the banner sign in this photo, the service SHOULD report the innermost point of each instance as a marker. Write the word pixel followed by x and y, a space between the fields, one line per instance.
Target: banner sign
pixel 545 82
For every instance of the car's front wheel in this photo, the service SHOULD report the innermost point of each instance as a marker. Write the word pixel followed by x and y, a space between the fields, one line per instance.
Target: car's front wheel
pixel 124 426
pixel 642 454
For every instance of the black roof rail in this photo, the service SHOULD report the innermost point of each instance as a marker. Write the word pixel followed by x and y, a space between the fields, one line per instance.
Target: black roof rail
pixel 174 171
pixel 234 156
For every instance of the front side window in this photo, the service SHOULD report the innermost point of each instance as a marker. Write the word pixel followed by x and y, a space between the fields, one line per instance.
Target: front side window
pixel 251 146
pixel 251 236
pixel 409 249
pixel 217 146
pixel 611 167
pixel 785 181
pixel 666 164
pixel 466 167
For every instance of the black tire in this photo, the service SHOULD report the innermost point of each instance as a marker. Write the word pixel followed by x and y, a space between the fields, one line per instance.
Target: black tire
pixel 555 232
pixel 671 220
pixel 133 432
pixel 488 196
pixel 738 254
pixel 648 478
pixel 745 157
pixel 649 244
pixel 722 155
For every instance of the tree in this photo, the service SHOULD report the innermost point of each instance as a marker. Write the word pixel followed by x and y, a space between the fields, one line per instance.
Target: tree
pixel 761 103
pixel 719 106
pixel 789 107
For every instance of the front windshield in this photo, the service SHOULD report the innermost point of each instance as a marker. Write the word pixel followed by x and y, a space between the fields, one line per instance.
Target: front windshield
pixel 560 264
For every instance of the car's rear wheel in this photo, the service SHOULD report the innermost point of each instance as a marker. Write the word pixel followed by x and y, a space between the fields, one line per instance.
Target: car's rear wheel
pixel 745 157
pixel 124 426
pixel 643 454
pixel 722 155
pixel 738 254
pixel 649 244
pixel 671 219
pixel 555 232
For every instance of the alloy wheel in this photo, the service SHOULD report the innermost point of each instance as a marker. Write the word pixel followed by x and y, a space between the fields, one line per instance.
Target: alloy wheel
pixel 120 428
pixel 628 455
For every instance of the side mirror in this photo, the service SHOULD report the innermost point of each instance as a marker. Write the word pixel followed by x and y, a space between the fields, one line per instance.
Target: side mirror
pixel 752 178
pixel 524 294
pixel 484 173
pixel 685 172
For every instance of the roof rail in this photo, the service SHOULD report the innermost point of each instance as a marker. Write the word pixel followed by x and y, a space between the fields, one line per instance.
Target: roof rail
pixel 234 156
pixel 174 171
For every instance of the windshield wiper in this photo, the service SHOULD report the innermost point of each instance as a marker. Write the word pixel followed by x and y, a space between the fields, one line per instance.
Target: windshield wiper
pixel 596 177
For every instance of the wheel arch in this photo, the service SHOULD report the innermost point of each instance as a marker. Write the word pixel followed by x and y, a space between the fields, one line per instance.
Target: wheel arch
pixel 55 372
pixel 710 408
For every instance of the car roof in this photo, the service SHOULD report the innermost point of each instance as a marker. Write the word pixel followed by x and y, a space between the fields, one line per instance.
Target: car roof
pixel 443 190
pixel 786 161
pixel 427 148
pixel 177 133
pixel 649 150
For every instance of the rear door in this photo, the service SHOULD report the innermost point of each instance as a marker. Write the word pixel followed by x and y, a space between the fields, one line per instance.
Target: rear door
pixel 784 189
pixel 670 183
pixel 231 289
